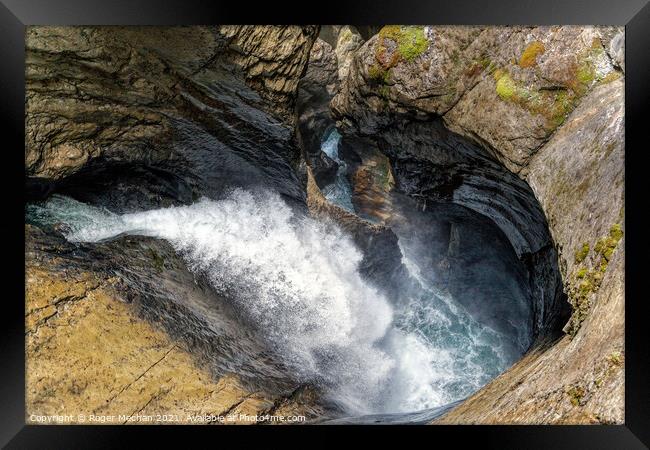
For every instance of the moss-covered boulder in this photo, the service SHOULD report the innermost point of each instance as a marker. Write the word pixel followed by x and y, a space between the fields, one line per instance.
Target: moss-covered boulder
pixel 507 87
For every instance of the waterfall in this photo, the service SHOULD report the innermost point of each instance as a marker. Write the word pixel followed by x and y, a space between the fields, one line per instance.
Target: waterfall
pixel 338 191
pixel 297 282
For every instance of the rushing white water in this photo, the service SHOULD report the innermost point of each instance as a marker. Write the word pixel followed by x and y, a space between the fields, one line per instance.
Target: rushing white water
pixel 297 281
pixel 339 191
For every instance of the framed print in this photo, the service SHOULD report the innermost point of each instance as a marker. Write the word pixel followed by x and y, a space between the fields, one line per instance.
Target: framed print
pixel 376 216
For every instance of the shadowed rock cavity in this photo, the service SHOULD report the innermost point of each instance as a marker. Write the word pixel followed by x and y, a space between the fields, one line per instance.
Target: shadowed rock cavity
pixel 398 163
pixel 472 199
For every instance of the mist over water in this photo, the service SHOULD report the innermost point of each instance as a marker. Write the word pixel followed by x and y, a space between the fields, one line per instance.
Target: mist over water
pixel 297 282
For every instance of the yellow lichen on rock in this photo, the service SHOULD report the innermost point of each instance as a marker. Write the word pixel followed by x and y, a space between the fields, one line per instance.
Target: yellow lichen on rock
pixel 530 55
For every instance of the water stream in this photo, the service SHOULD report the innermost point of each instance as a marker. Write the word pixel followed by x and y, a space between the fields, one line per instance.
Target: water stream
pixel 369 353
pixel 339 191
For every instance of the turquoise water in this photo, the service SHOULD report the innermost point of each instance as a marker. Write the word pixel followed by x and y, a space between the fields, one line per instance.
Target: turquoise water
pixel 339 191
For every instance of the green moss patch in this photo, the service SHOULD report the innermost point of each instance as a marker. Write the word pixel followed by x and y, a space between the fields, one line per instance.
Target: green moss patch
pixel 554 104
pixel 587 279
pixel 513 91
pixel 582 253
pixel 406 43
pixel 605 246
pixel 576 394
pixel 377 73
pixel 611 76
pixel 507 89
pixel 585 72
pixel 411 41
pixel 615 358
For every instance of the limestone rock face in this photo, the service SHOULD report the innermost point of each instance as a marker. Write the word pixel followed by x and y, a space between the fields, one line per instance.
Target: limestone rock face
pixel 550 70
pixel 100 97
pixel 85 100
pixel 506 87
pixel 274 59
pixel 347 43
pixel 76 340
pixel 581 192
pixel 528 117
pixel 418 68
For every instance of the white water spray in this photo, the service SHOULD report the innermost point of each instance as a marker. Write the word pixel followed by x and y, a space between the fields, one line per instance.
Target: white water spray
pixel 297 282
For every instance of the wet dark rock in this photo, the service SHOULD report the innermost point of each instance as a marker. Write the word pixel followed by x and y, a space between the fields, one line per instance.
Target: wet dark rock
pixel 324 169
pixel 162 102
pixel 381 263
pixel 316 90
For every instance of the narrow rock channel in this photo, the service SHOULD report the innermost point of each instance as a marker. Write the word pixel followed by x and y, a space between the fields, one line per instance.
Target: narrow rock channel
pixel 305 221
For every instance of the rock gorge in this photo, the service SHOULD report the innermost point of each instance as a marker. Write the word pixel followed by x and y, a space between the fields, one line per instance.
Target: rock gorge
pixel 516 131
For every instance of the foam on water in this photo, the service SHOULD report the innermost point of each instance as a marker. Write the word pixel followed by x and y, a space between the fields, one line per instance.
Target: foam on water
pixel 338 191
pixel 297 282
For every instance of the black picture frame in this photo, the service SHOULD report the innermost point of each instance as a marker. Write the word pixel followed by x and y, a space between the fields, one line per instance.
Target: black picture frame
pixel 634 14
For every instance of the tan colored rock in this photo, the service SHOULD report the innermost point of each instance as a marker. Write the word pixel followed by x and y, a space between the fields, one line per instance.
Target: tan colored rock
pixel 581 378
pixel 582 190
pixel 104 95
pixel 529 86
pixel 88 353
pixel 274 59
pixel 507 88
pixel 418 69
pixel 347 43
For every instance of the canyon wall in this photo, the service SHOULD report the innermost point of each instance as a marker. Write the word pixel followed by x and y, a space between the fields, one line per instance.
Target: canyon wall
pixel 184 107
pixel 526 126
